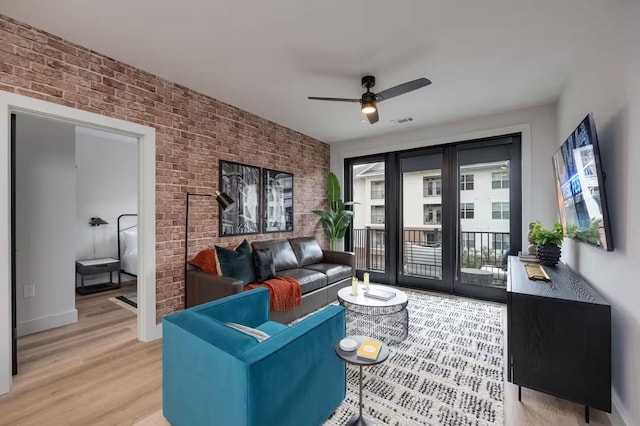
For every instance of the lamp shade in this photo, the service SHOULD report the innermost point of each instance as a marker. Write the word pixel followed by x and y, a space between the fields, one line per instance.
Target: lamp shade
pixel 97 221
pixel 225 201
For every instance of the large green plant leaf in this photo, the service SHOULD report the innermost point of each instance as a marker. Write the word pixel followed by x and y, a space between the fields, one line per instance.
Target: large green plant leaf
pixel 327 221
pixel 335 222
pixel 323 214
pixel 342 223
pixel 333 189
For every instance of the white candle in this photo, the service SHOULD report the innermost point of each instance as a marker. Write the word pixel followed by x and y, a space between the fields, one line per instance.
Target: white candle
pixel 366 280
pixel 354 285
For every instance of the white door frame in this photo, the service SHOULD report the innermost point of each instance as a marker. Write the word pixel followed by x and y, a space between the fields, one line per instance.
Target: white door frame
pixel 11 103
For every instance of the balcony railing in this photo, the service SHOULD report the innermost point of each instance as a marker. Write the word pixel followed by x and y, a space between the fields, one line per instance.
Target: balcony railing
pixel 368 245
pixel 422 256
pixel 377 194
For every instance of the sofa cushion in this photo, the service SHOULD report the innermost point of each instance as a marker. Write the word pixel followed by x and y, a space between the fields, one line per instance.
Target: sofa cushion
pixel 283 255
pixel 237 263
pixel 309 280
pixel 307 250
pixel 333 272
pixel 263 264
pixel 206 260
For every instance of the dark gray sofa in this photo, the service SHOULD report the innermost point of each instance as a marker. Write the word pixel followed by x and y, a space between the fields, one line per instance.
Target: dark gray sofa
pixel 321 274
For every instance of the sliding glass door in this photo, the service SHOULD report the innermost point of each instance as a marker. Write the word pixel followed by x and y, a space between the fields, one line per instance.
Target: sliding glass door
pixel 488 223
pixel 369 236
pixel 424 236
pixel 440 218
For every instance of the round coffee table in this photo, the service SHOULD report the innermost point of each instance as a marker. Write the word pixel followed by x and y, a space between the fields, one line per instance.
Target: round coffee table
pixel 385 320
pixel 352 358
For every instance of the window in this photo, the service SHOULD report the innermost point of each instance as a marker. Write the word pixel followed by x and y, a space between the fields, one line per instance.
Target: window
pixel 500 242
pixel 499 180
pixel 377 214
pixel 466 210
pixel 432 214
pixel 433 237
pixel 377 190
pixel 468 240
pixel 431 186
pixel 466 182
pixel 500 210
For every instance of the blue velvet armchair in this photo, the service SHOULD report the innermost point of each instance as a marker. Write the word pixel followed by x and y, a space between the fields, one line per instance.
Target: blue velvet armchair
pixel 216 375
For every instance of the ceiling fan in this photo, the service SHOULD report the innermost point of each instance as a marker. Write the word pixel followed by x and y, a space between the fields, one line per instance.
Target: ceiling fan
pixel 369 100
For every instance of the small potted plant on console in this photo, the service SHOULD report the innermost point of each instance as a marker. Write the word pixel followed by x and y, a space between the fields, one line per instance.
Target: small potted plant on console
pixel 548 242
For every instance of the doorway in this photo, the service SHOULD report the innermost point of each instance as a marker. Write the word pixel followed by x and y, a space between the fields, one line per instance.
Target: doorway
pixel 12 103
pixel 446 219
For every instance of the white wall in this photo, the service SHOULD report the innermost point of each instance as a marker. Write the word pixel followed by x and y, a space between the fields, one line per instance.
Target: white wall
pixel 45 223
pixel 609 87
pixel 539 142
pixel 107 173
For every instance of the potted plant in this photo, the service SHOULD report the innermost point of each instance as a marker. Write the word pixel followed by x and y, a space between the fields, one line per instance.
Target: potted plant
pixel 548 242
pixel 335 222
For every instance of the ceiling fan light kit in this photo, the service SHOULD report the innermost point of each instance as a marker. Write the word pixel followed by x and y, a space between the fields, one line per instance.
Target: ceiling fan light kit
pixel 369 100
pixel 368 107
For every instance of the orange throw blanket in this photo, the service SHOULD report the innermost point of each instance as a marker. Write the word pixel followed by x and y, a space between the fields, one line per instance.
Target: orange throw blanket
pixel 284 292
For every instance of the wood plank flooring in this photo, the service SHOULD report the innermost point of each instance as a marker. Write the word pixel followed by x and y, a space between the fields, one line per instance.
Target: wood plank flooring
pixel 95 372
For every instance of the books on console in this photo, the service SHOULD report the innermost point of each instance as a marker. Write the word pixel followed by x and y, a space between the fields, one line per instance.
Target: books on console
pixel 380 294
pixel 525 257
pixel 369 349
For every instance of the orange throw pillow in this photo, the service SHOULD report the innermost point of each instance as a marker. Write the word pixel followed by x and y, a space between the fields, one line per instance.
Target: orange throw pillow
pixel 207 260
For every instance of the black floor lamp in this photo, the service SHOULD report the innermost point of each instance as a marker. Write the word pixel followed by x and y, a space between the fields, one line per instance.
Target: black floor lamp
pixel 225 202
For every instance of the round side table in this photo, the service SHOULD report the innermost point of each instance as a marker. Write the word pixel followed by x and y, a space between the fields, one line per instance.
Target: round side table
pixel 352 358
pixel 385 320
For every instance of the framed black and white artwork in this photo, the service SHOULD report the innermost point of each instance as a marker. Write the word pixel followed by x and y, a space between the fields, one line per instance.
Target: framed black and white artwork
pixel 278 201
pixel 242 183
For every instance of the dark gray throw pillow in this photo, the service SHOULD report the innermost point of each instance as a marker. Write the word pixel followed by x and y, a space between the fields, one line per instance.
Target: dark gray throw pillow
pixel 264 265
pixel 237 263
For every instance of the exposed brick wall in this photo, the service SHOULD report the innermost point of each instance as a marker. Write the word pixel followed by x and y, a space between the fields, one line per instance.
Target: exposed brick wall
pixel 193 132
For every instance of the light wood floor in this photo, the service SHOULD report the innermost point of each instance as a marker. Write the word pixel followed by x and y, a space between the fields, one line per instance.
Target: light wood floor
pixel 95 372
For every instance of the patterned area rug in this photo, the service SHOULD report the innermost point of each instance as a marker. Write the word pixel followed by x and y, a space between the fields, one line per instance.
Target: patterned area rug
pixel 449 370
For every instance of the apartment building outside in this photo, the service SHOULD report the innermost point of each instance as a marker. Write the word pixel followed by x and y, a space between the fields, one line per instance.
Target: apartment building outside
pixel 484 211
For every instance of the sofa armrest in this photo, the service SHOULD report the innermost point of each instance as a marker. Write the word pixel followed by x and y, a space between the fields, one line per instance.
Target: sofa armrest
pixel 347 258
pixel 304 357
pixel 202 287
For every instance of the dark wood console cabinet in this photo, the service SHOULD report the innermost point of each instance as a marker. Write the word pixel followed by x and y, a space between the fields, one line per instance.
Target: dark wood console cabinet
pixel 559 336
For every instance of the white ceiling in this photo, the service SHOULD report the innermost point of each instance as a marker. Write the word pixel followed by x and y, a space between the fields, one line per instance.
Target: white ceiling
pixel 483 56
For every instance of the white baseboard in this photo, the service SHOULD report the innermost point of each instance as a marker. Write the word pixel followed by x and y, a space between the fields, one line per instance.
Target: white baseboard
pixel 45 323
pixel 157 332
pixel 618 416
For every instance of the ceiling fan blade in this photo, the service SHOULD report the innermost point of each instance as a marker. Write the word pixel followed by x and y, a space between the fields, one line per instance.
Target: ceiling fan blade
pixel 401 89
pixel 315 98
pixel 373 117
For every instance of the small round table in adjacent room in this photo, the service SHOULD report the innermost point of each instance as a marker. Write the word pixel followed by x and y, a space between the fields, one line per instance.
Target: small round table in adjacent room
pixel 352 358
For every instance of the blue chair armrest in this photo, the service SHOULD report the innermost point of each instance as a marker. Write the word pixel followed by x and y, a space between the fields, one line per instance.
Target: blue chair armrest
pixel 303 358
pixel 250 308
